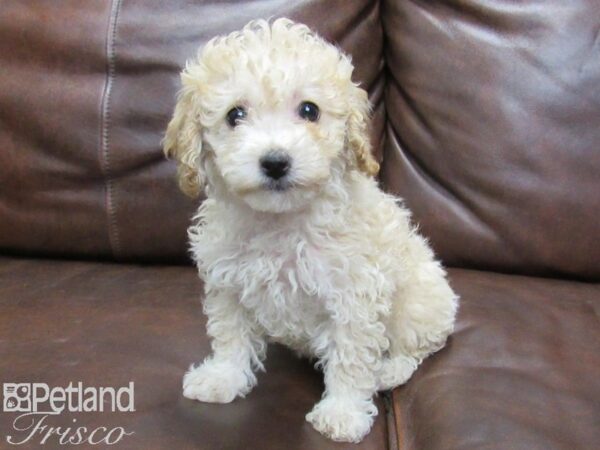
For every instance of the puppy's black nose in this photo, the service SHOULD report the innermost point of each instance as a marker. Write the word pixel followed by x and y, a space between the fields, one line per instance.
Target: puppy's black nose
pixel 275 164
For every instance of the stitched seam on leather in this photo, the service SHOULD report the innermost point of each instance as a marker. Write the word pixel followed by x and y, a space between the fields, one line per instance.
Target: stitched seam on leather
pixel 113 232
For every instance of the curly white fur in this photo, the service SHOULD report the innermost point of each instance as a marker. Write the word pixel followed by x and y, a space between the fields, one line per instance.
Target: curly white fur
pixel 330 265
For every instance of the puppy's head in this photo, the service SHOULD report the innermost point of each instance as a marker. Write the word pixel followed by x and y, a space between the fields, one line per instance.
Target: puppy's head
pixel 266 113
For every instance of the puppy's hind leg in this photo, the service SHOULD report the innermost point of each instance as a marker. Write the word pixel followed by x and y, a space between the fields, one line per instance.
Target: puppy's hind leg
pixel 237 350
pixel 422 316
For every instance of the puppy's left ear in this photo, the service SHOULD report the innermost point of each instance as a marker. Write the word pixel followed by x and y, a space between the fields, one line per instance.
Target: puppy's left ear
pixel 358 133
pixel 183 142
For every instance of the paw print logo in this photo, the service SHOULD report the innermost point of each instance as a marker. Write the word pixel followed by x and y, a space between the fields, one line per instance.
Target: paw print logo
pixel 17 397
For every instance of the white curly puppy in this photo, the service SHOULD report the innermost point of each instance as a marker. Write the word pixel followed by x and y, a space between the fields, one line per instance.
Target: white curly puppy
pixel 295 242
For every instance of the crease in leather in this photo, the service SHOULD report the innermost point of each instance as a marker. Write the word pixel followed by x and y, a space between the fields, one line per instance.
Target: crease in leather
pixel 392 429
pixel 426 10
pixel 377 93
pixel 419 170
pixel 535 63
pixel 469 17
pixel 413 107
pixel 113 230
pixel 382 139
pixel 399 424
pixel 361 16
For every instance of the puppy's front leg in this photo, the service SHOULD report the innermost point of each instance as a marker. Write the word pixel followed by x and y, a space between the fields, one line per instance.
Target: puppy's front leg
pixel 237 349
pixel 351 361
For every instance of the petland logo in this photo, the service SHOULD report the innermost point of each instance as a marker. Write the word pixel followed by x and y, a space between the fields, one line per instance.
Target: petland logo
pixel 37 403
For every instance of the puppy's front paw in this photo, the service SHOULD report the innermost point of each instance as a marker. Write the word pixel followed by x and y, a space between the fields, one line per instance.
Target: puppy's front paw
pixel 343 419
pixel 216 382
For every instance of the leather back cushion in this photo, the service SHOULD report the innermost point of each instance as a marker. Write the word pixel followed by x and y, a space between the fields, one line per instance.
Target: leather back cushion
pixel 493 134
pixel 87 89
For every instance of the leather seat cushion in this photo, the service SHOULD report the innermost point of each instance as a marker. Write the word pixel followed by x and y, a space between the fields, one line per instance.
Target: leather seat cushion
pixel 109 324
pixel 522 370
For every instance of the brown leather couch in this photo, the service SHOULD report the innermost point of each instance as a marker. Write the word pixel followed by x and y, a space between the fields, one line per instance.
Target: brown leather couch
pixel 487 123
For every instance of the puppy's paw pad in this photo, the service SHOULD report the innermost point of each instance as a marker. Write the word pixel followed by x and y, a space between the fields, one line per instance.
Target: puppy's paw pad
pixel 215 383
pixel 342 420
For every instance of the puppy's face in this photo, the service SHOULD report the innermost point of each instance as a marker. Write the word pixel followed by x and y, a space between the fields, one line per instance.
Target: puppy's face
pixel 276 131
pixel 272 111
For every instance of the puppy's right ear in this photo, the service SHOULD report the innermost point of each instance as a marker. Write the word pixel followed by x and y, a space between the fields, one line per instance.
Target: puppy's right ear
pixel 358 135
pixel 183 142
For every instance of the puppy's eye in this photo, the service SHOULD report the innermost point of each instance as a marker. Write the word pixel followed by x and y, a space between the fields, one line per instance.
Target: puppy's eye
pixel 235 115
pixel 309 111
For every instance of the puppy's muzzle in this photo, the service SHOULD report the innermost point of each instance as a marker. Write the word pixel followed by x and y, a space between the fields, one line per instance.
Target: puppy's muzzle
pixel 275 164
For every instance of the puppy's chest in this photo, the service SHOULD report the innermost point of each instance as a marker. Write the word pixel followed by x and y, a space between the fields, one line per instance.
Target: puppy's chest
pixel 280 278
